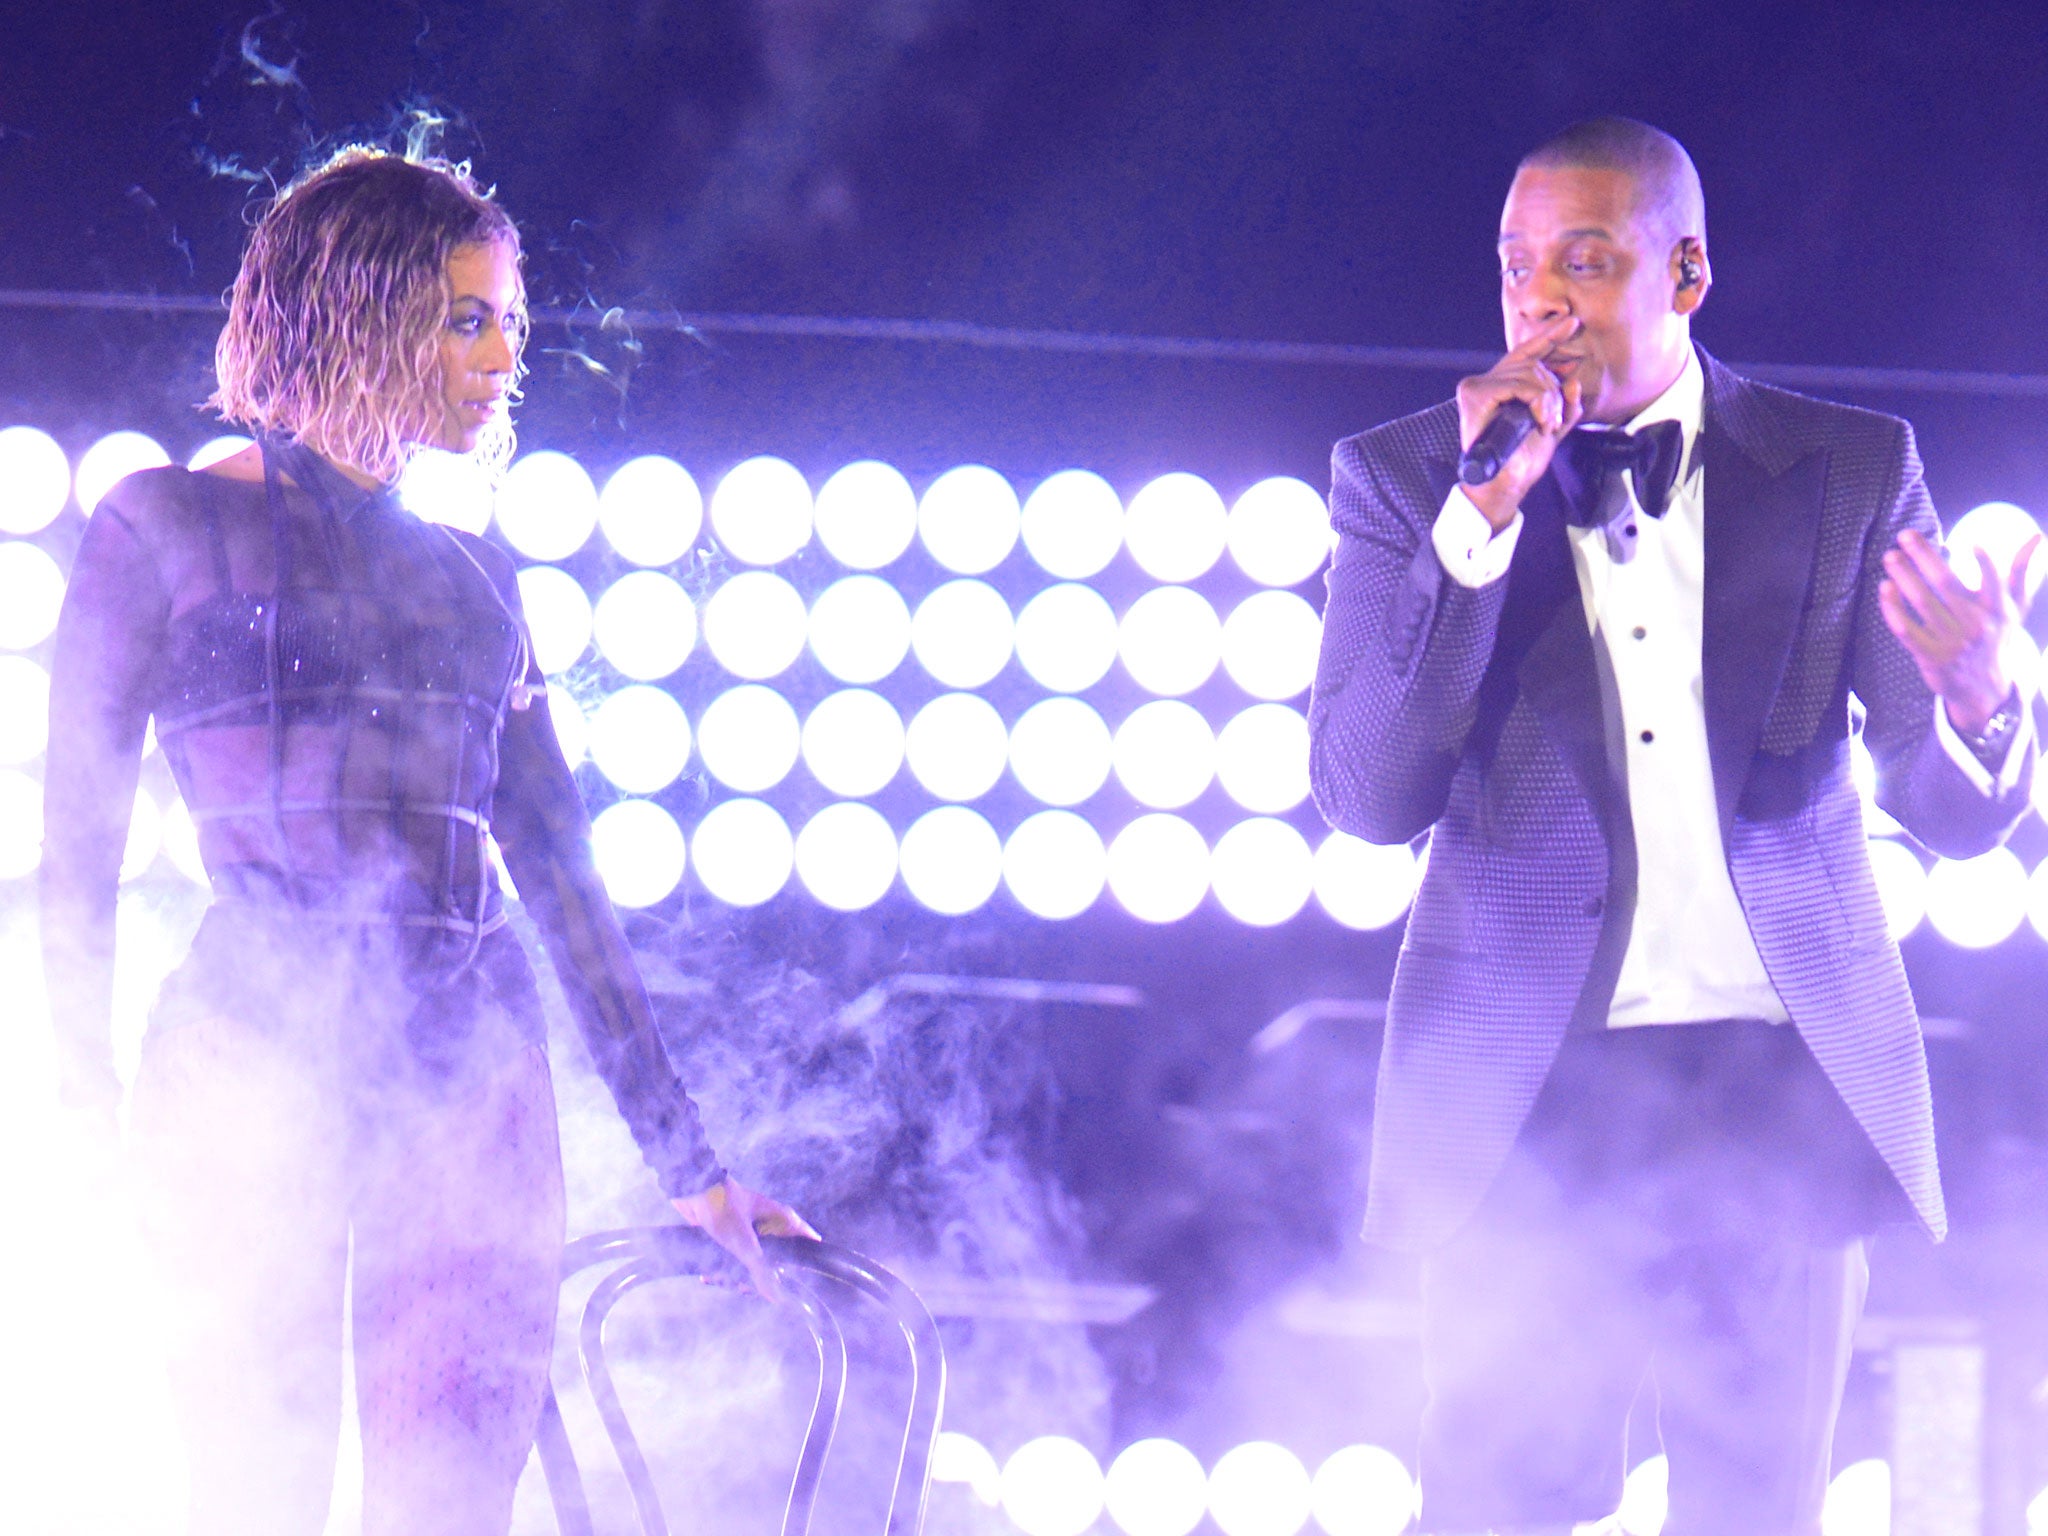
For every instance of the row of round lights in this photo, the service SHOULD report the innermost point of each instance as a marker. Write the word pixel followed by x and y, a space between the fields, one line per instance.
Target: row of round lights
pixel 1055 864
pixel 756 625
pixel 957 747
pixel 1171 640
pixel 1054 1486
pixel 763 511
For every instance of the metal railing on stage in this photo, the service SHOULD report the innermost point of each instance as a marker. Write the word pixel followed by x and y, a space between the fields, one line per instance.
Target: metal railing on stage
pixel 818 1278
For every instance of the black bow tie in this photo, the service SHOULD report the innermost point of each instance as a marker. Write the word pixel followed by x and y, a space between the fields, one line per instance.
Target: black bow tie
pixel 1590 462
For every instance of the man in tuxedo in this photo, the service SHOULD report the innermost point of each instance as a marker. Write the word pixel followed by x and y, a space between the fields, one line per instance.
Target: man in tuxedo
pixel 1652 1072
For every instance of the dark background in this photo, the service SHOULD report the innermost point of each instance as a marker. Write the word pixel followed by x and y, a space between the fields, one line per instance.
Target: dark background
pixel 1323 172
pixel 1310 172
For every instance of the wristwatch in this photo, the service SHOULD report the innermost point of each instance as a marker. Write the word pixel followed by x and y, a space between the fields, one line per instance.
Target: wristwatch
pixel 1989 745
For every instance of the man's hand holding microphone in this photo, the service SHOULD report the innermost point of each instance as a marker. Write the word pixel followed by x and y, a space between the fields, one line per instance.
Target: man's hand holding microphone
pixel 1522 375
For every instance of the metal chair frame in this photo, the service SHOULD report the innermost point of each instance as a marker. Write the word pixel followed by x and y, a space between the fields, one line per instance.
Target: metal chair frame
pixel 812 1273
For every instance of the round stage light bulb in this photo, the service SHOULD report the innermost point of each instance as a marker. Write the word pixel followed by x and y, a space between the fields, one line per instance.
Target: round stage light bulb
pixel 639 852
pixel 2001 530
pixel 1260 1489
pixel 755 625
pixel 1262 758
pixel 846 856
pixel 1363 1490
pixel 645 626
pixel 744 852
pixel 651 510
pixel 640 739
pixel 145 837
pixel 749 738
pixel 1901 885
pixel 1859 1500
pixel 1156 1488
pixel 860 629
pixel 1976 903
pixel 572 729
pixel 216 450
pixel 1165 754
pixel 867 515
pixel 957 746
pixel 24 710
pixel 963 633
pixel 547 507
pixel 1170 640
pixel 1176 527
pixel 761 511
pixel 951 860
pixel 110 461
pixel 447 488
pixel 1877 822
pixel 1365 885
pixel 968 519
pixel 1270 643
pixel 1073 524
pixel 958 1458
pixel 1645 1498
pixel 1280 532
pixel 1067 637
pixel 35 480
pixel 853 742
pixel 1262 872
pixel 2037 1514
pixel 31 592
pixel 21 824
pixel 1159 868
pixel 2037 899
pixel 558 616
pixel 1060 751
pixel 1055 864
pixel 181 841
pixel 1052 1486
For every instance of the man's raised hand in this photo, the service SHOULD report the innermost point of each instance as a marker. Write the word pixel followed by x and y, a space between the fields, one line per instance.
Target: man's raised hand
pixel 1954 633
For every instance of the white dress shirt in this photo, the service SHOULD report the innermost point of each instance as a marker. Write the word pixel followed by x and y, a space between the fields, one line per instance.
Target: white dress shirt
pixel 1690 955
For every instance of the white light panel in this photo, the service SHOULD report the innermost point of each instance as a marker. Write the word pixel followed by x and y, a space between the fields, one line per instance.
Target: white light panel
pixel 1067 637
pixel 860 629
pixel 645 625
pixel 867 515
pixel 547 507
pixel 968 519
pixel 651 510
pixel 761 511
pixel 1073 524
pixel 963 633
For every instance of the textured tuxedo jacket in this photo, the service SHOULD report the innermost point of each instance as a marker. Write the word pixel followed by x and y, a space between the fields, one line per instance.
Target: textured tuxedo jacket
pixel 1477 716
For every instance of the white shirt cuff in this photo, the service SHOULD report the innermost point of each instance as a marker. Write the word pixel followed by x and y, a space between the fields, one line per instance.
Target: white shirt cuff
pixel 2015 751
pixel 1472 554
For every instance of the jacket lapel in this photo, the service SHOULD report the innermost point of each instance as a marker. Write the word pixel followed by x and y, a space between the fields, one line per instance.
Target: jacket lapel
pixel 1543 653
pixel 1762 524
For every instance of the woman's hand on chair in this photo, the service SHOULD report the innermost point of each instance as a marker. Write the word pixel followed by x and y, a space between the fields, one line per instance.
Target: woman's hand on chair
pixel 735 1218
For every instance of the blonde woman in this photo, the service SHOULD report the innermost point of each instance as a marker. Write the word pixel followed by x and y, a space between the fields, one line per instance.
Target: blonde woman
pixel 348 1070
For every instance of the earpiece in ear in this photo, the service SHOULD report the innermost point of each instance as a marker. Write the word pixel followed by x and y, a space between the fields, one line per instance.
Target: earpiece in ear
pixel 1688 273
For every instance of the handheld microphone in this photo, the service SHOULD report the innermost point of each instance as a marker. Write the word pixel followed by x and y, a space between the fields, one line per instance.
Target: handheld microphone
pixel 1496 442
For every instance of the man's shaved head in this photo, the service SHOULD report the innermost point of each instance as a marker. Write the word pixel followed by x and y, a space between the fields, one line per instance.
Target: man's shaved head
pixel 1668 200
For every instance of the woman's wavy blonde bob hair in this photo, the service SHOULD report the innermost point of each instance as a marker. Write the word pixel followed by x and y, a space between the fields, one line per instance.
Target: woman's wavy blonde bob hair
pixel 336 317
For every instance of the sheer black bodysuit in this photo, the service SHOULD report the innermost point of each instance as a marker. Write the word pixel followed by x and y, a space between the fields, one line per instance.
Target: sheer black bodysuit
pixel 342 693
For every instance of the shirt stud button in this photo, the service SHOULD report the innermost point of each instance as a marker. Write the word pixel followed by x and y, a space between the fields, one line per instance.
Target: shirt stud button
pixel 1649 736
pixel 1639 632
